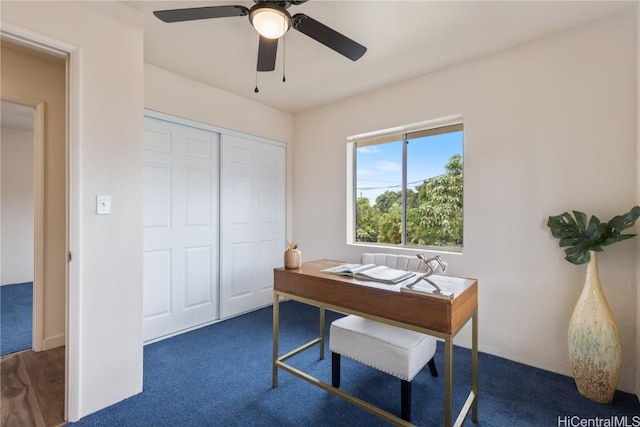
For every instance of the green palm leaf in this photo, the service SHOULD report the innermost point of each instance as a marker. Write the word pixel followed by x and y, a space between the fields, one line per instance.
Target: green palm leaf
pixel 580 236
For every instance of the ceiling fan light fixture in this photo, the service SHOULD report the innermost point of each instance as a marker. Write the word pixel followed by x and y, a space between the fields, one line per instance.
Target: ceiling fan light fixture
pixel 270 21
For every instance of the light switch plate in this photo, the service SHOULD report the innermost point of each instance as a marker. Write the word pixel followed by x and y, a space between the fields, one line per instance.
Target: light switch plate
pixel 103 205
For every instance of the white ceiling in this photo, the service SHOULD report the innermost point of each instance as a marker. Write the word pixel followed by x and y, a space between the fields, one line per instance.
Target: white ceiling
pixel 405 39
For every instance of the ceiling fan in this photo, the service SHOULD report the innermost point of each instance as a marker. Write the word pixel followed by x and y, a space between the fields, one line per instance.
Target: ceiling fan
pixel 271 20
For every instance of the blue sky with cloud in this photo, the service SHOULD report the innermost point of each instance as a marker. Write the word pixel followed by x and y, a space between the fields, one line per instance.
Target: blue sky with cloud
pixel 379 167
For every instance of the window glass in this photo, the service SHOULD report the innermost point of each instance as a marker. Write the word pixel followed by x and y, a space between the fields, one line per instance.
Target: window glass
pixel 434 190
pixel 379 193
pixel 411 196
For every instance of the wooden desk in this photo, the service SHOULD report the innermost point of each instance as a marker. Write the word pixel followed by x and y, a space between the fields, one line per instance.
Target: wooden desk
pixel 439 317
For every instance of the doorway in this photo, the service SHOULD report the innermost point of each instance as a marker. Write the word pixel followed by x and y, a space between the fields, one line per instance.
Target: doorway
pixel 17 170
pixel 38 80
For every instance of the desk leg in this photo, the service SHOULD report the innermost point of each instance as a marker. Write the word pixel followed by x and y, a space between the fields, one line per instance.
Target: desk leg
pixel 321 333
pixel 448 379
pixel 276 327
pixel 474 366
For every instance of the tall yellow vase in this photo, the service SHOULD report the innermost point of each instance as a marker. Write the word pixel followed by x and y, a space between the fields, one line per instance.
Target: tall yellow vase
pixel 594 340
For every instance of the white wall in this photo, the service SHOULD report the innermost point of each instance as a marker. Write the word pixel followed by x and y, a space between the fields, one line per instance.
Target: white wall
pixel 104 340
pixel 549 127
pixel 16 153
pixel 170 93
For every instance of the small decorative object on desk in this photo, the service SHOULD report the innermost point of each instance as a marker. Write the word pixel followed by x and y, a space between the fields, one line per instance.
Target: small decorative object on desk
pixel 430 287
pixel 292 256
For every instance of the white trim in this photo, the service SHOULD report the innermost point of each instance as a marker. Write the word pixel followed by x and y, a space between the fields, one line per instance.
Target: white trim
pixel 34 40
pixel 53 342
pixel 204 325
pixel 390 248
pixel 204 126
pixel 429 124
pixel 73 394
pixel 351 192
pixel 39 221
pixel 173 334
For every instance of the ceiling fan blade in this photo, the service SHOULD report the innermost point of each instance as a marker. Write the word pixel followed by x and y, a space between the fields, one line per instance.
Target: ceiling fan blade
pixel 328 36
pixel 194 13
pixel 267 50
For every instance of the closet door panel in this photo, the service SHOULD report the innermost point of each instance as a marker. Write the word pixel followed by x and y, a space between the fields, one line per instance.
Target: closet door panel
pixel 181 222
pixel 252 222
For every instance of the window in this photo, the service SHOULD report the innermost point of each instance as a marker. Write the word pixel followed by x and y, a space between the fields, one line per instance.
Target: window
pixel 407 187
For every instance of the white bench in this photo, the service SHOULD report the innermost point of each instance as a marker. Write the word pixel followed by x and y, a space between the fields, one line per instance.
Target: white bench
pixel 391 349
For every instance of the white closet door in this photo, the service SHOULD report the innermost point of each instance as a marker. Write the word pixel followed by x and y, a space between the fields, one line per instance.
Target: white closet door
pixel 181 219
pixel 252 222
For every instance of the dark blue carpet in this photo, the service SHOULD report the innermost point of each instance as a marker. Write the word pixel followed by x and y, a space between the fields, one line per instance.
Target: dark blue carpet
pixel 221 376
pixel 16 317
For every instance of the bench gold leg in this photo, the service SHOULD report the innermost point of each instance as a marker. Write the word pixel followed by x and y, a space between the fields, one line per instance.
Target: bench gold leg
pixel 321 333
pixel 474 366
pixel 276 327
pixel 448 380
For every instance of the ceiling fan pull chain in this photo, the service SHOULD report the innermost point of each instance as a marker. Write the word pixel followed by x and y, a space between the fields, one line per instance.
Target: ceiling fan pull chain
pixel 256 90
pixel 284 56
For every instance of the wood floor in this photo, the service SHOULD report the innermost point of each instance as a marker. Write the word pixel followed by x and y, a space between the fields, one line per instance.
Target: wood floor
pixel 32 387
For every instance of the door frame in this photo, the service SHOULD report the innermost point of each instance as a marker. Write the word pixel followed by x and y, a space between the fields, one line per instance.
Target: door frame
pixel 37 335
pixel 73 56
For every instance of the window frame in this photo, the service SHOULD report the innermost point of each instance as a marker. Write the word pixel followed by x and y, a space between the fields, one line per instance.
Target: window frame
pixel 400 133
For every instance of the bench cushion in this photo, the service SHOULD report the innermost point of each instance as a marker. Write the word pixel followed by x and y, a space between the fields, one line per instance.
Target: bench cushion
pixel 396 351
pixel 399 262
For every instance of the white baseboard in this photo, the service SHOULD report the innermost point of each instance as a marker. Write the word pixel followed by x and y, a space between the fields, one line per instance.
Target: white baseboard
pixel 53 342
